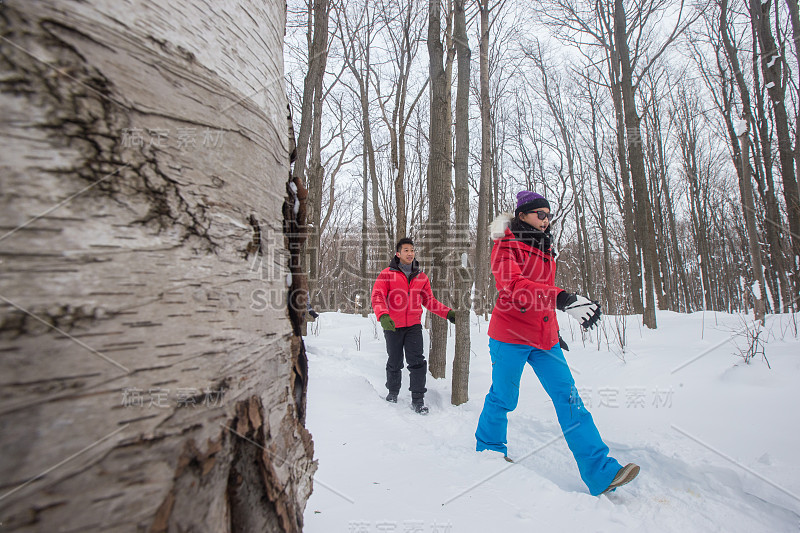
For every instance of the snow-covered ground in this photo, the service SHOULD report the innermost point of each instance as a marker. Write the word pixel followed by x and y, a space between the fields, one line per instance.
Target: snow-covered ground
pixel 718 440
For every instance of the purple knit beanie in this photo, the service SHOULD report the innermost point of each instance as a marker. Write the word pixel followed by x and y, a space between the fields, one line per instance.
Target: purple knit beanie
pixel 528 201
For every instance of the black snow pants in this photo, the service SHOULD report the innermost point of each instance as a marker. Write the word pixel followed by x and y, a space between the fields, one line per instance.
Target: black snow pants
pixel 410 340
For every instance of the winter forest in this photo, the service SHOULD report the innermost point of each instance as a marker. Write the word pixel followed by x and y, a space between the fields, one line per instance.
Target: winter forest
pixel 665 132
pixel 665 135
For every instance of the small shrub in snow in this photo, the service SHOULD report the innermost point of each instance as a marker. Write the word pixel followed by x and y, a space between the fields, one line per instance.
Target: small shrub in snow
pixel 620 331
pixel 750 341
pixel 792 325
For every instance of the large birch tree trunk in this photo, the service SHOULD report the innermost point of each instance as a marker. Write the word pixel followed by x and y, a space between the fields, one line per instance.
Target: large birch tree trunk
pixel 152 376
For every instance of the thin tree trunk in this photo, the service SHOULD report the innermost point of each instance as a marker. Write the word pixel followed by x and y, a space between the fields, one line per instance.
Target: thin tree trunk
pixel 553 98
pixel 634 266
pixel 439 170
pixel 483 243
pixel 658 180
pixel 745 181
pixel 399 121
pixel 777 274
pixel 794 16
pixel 460 391
pixel 317 38
pixel 382 236
pixel 643 215
pixel 699 219
pixel 357 58
pixel 319 53
pixel 152 381
pixel 609 302
pixel 665 302
pixel 365 240
pixel 588 275
pixel 772 64
pixel 759 293
pixel 678 260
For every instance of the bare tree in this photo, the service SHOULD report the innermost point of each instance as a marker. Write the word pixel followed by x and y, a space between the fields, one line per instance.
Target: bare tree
pixel 484 191
pixel 336 160
pixel 609 301
pixel 314 173
pixel 317 37
pixel 745 183
pixel 773 67
pixel 626 204
pixel 775 273
pixel 794 17
pixel 642 210
pixel 720 87
pixel 405 39
pixel 553 97
pixel 574 21
pixel 686 118
pixel 460 392
pixel 656 159
pixel 356 36
pixel 439 182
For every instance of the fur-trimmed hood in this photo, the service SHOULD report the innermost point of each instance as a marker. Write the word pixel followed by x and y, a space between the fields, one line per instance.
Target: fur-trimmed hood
pixel 497 229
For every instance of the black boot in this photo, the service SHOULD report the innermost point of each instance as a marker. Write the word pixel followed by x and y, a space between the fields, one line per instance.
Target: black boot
pixel 419 407
pixel 391 397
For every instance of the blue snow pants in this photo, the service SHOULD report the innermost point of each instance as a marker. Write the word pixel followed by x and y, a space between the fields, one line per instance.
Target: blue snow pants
pixel 597 469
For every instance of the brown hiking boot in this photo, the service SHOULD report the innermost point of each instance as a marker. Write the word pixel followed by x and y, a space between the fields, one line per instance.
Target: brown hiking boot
pixel 625 475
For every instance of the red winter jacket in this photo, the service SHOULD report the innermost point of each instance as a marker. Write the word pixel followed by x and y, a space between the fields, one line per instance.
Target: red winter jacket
pixel 525 311
pixel 402 299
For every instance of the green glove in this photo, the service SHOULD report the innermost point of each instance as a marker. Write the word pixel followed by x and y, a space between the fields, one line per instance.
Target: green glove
pixel 451 316
pixel 387 323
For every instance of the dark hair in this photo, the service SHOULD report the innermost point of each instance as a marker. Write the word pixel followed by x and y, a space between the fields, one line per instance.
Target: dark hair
pixel 401 242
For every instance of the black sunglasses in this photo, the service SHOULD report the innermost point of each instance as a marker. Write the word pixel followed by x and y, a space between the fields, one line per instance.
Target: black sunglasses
pixel 542 215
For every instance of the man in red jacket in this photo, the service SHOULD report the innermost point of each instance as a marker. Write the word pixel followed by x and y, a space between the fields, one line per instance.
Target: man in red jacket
pixel 397 299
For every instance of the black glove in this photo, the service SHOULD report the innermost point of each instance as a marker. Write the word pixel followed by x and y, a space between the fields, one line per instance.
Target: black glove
pixel 313 314
pixel 451 316
pixel 564 345
pixel 580 308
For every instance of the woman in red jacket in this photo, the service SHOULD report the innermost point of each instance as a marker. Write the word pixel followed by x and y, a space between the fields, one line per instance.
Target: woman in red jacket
pixel 524 329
